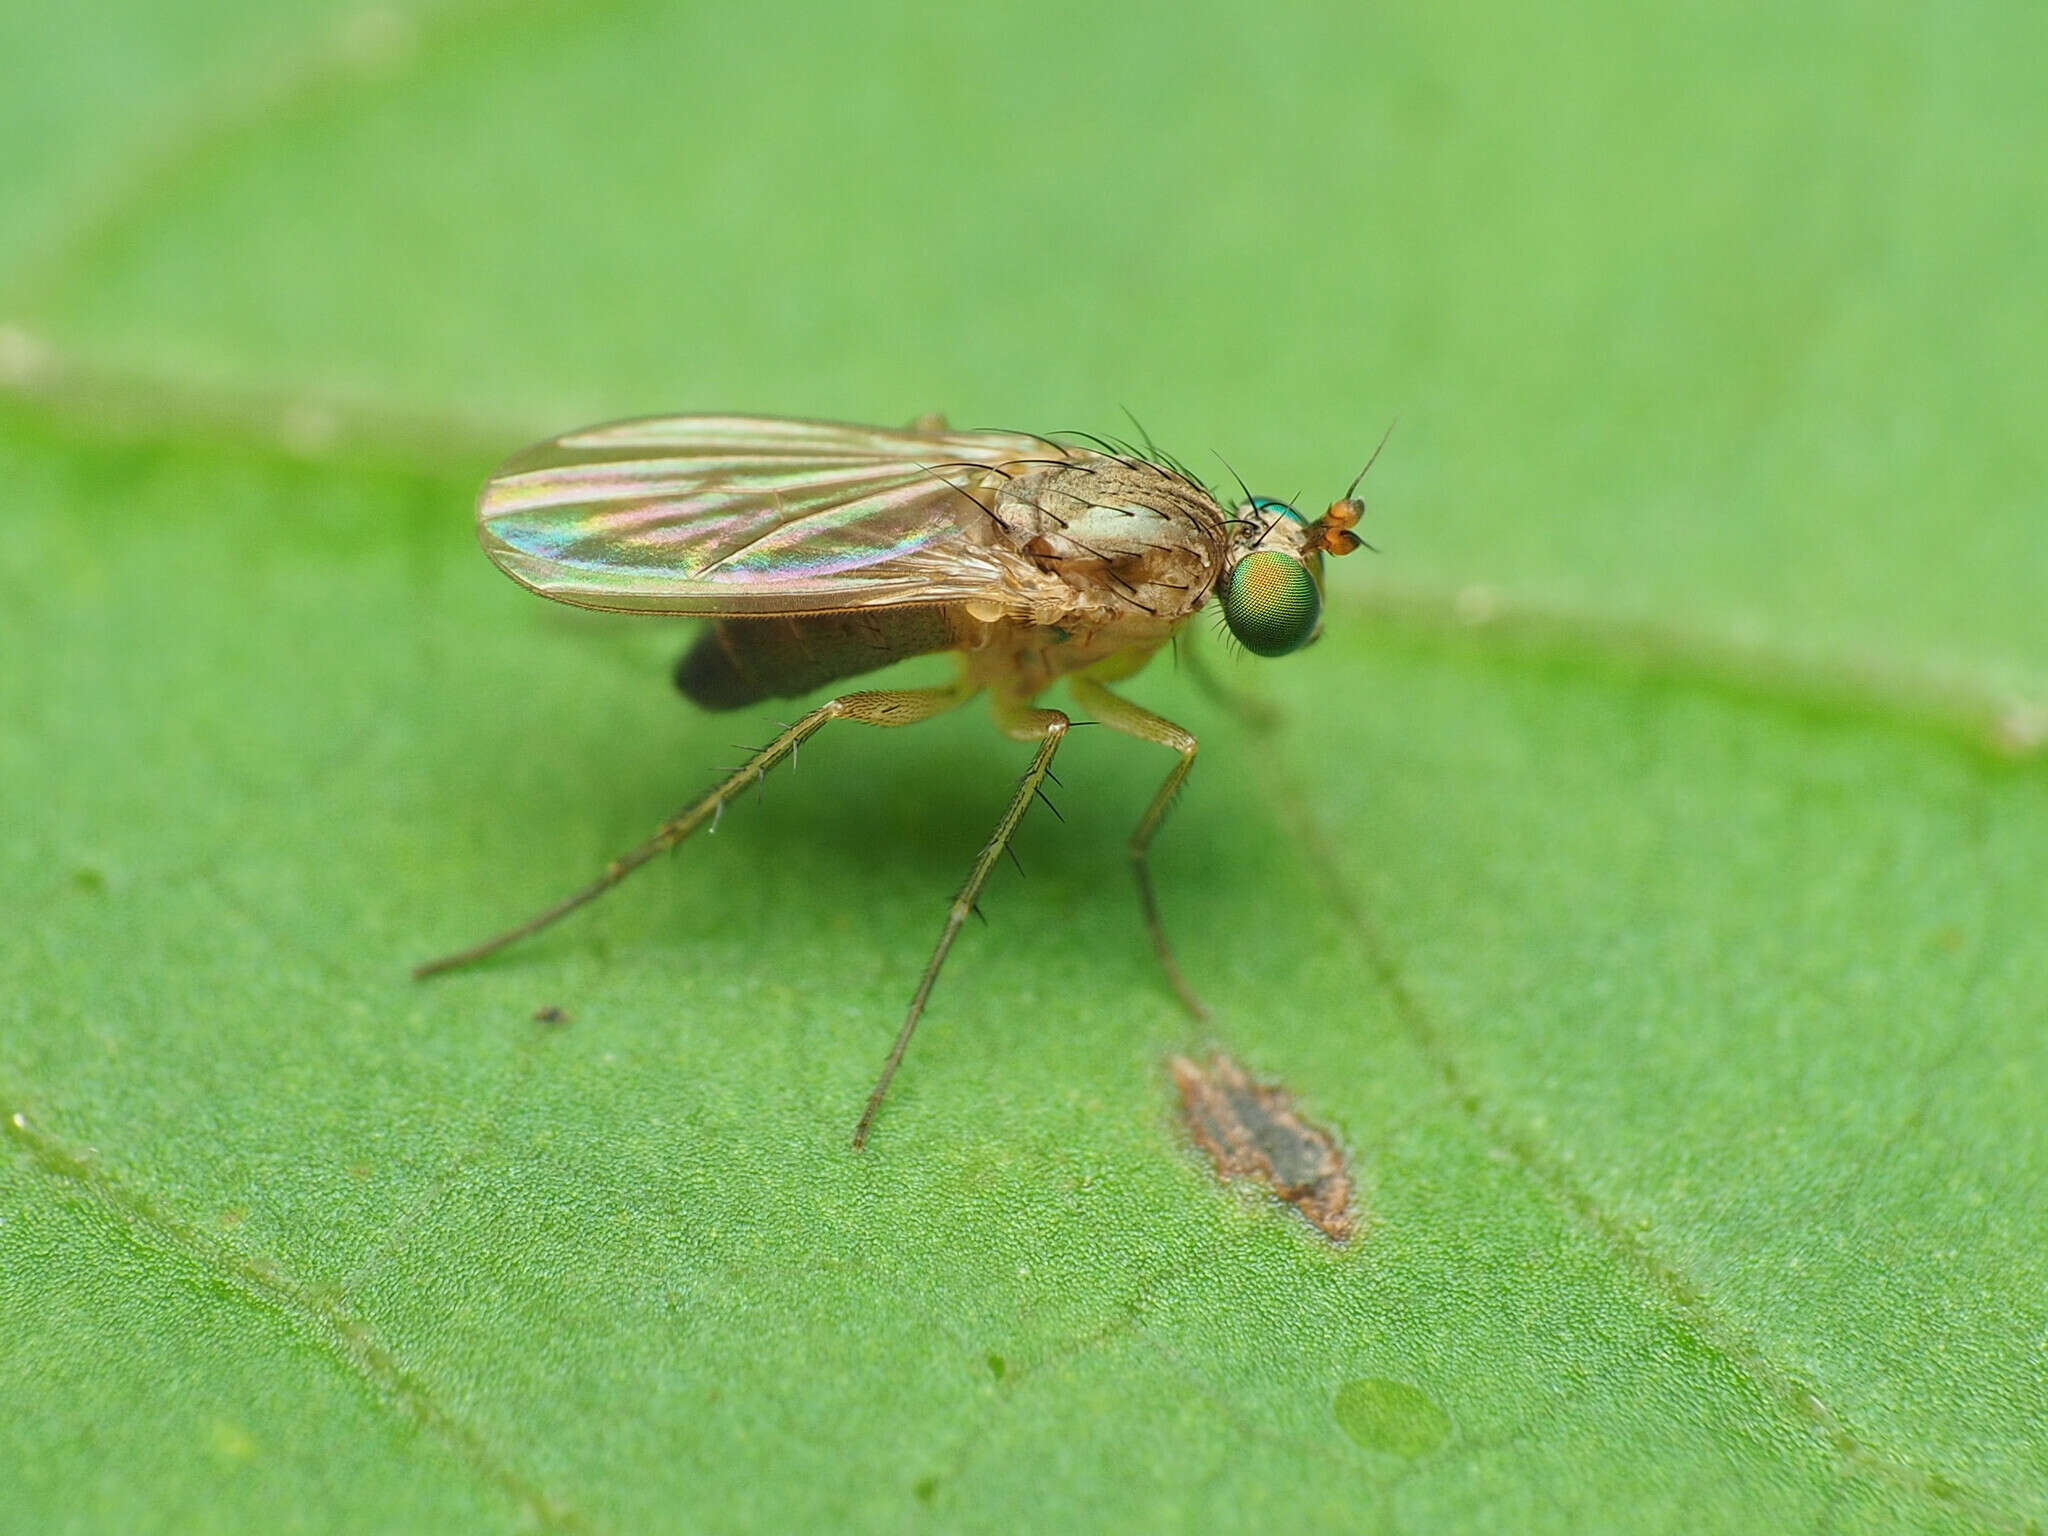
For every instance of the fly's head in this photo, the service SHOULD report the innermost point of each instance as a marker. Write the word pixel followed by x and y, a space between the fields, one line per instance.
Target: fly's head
pixel 1272 586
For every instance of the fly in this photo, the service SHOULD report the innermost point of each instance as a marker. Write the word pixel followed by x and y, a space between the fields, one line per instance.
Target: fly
pixel 819 551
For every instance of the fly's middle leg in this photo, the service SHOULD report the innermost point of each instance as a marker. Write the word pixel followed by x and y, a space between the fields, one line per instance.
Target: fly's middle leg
pixel 1047 727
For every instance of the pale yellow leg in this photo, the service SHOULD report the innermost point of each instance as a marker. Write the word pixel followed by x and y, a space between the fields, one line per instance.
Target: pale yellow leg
pixel 1020 723
pixel 1121 714
pixel 875 707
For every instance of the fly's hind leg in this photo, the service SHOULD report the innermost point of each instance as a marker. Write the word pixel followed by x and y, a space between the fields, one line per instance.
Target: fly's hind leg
pixel 894 706
pixel 1046 727
pixel 1121 714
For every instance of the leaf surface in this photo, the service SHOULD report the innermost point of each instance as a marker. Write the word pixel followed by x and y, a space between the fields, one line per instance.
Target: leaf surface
pixel 1643 882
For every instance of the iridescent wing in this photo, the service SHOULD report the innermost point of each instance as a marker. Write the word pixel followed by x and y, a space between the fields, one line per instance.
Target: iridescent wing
pixel 759 515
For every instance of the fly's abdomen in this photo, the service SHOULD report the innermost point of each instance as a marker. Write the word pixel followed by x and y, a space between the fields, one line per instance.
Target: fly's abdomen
pixel 742 661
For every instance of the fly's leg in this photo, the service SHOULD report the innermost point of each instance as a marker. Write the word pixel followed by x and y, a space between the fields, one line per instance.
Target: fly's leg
pixel 1046 727
pixel 876 707
pixel 1253 712
pixel 1121 714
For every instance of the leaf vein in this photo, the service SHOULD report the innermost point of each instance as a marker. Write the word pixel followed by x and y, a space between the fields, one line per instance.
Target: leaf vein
pixel 1793 1397
pixel 311 1311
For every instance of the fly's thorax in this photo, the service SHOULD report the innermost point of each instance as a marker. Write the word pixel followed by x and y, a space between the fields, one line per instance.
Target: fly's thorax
pixel 1019 660
pixel 1126 540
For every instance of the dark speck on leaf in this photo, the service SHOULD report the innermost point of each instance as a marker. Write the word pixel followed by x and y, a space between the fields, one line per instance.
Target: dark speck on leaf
pixel 1251 1131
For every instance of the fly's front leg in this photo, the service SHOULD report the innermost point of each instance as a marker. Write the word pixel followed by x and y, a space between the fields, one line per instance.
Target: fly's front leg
pixel 895 706
pixel 1121 714
pixel 1253 712
pixel 1046 727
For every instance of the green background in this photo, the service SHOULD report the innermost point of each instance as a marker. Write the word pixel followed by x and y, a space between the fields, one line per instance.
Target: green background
pixel 1646 881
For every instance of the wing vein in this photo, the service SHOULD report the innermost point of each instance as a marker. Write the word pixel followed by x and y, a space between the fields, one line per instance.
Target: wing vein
pixel 734 515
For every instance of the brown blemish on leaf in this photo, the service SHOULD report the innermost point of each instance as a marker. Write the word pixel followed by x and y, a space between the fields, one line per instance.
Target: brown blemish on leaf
pixel 550 1015
pixel 1251 1131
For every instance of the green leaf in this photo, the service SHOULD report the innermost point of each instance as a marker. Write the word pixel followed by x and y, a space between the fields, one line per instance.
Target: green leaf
pixel 1644 881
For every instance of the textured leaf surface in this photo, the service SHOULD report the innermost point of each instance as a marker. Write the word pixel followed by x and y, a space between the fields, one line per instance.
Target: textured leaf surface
pixel 1645 880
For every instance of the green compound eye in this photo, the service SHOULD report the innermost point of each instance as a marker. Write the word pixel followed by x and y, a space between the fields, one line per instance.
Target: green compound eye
pixel 1271 603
